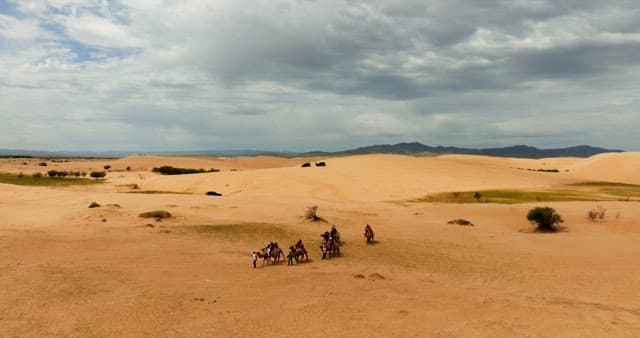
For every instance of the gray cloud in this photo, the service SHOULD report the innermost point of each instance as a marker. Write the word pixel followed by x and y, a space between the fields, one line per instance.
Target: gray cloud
pixel 319 74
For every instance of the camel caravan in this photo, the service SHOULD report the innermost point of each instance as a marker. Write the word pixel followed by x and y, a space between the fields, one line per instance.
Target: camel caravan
pixel 330 248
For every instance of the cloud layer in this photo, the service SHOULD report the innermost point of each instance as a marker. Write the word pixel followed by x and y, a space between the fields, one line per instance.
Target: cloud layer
pixel 303 74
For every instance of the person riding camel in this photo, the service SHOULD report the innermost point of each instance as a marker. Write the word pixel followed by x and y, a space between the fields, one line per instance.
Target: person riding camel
pixel 334 231
pixel 325 236
pixel 299 244
pixel 367 228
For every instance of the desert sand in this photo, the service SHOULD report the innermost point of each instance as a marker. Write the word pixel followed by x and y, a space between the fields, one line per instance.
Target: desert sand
pixel 68 270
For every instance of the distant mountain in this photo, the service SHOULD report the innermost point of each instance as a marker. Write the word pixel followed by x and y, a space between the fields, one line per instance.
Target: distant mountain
pixel 521 151
pixel 413 148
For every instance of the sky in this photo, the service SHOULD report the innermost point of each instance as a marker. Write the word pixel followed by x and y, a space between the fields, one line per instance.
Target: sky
pixel 301 75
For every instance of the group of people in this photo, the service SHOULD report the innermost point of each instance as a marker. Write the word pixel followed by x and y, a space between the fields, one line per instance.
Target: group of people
pixel 330 242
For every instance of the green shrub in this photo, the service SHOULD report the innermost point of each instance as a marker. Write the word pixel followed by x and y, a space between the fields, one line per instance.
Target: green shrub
pixel 546 219
pixel 98 174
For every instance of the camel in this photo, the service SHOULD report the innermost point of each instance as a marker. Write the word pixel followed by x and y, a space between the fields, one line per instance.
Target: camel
pixel 274 255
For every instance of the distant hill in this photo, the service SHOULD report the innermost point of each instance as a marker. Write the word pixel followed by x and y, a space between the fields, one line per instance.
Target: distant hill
pixel 412 148
pixel 521 151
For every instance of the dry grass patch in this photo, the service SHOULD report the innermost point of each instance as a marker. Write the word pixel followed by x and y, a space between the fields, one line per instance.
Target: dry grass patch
pixel 258 233
pixel 157 192
pixel 157 214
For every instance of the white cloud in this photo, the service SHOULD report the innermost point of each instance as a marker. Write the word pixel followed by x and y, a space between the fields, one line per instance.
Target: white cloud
pixel 97 31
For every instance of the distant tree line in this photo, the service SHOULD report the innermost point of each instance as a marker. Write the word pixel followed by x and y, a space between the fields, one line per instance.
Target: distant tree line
pixel 169 170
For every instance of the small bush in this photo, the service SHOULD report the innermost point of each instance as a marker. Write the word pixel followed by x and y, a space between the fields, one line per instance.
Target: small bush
pixel 57 173
pixel 311 214
pixel 42 164
pixel 213 193
pixel 546 219
pixel 94 205
pixel 98 174
pixel 37 175
pixel 460 221
pixel 128 168
pixel 157 214
pixel 597 213
pixel 477 196
pixel 20 175
pixel 306 165
pixel 107 167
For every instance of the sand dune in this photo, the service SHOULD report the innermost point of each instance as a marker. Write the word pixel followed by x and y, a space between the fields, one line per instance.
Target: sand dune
pixel 67 270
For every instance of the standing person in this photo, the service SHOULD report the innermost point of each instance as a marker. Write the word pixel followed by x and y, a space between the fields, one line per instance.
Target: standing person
pixel 254 258
pixel 324 250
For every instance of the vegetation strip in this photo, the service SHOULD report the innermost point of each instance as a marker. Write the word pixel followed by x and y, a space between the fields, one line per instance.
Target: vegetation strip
pixel 169 170
pixel 585 191
pixel 38 179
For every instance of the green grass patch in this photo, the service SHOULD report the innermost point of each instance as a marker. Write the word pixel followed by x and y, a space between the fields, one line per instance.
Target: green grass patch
pixel 41 180
pixel 586 191
pixel 613 189
pixel 258 233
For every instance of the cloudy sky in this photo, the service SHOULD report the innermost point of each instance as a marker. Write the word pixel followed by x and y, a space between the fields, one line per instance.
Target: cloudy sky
pixel 317 74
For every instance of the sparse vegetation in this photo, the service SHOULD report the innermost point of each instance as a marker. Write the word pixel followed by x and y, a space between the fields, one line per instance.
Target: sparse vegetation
pixel 477 196
pixel 460 221
pixel 587 191
pixel 63 174
pixel 597 214
pixel 94 205
pixel 157 214
pixel 169 170
pixel 545 218
pixel 107 167
pixel 37 179
pixel 157 192
pixel 543 170
pixel 245 232
pixel 311 214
